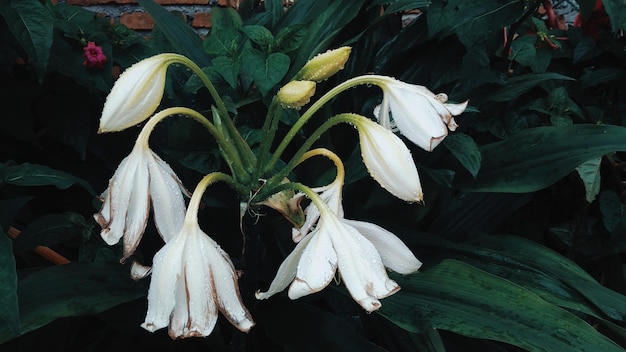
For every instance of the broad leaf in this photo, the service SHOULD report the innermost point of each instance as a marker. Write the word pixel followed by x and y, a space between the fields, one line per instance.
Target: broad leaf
pixel 184 39
pixel 52 229
pixel 39 175
pixel 74 289
pixel 465 150
pixel 31 24
pixel 519 85
pixel 9 312
pixel 538 157
pixel 457 297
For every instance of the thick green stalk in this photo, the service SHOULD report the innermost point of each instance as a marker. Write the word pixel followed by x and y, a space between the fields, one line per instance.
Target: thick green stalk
pixel 228 151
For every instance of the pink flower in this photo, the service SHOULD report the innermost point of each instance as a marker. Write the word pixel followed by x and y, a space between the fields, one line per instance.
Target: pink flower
pixel 94 57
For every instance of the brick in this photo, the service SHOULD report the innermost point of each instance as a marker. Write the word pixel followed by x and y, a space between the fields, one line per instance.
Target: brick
pixel 137 20
pixel 201 20
pixel 162 2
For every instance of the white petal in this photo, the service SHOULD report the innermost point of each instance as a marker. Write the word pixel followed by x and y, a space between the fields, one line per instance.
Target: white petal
pixel 224 281
pixel 389 161
pixel 139 271
pixel 317 265
pixel 138 206
pixel 361 268
pixel 286 272
pixel 164 284
pixel 166 194
pixel 394 253
pixel 136 94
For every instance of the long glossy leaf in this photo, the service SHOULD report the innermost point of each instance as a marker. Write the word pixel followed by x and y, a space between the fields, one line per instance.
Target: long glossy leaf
pixel 31 24
pixel 517 86
pixel 9 312
pixel 70 290
pixel 40 175
pixel 184 39
pixel 457 297
pixel 538 157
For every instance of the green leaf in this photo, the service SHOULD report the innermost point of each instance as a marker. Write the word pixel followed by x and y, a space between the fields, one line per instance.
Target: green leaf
pixel 589 172
pixel 9 311
pixel 225 19
pixel 538 157
pixel 457 297
pixel 260 36
pixel 39 175
pixel 471 18
pixel 182 38
pixel 465 150
pixel 228 69
pixel 266 71
pixel 32 25
pixel 51 229
pixel 325 18
pixel 289 38
pixel 73 289
pixel 519 85
pixel 616 9
pixel 523 50
pixel 599 76
pixel 612 209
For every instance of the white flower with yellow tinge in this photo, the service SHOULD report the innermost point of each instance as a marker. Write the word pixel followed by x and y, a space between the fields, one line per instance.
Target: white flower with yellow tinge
pixel 136 94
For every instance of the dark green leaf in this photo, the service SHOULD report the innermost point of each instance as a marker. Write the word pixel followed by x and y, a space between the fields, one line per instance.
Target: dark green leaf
pixel 457 297
pixel 225 19
pixel 613 210
pixel 40 175
pixel 184 39
pixel 260 36
pixel 228 69
pixel 9 312
pixel 538 157
pixel 71 290
pixel 31 24
pixel 465 150
pixel 599 76
pixel 616 9
pixel 519 85
pixel 51 229
pixel 289 38
pixel 266 71
pixel 523 50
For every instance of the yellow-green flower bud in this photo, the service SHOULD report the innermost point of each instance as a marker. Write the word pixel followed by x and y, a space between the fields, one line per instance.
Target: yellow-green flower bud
pixel 296 94
pixel 324 65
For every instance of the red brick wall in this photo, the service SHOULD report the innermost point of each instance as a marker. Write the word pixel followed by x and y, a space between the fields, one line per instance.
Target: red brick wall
pixel 130 14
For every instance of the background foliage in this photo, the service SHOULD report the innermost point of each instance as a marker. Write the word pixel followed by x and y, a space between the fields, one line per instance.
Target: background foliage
pixel 523 228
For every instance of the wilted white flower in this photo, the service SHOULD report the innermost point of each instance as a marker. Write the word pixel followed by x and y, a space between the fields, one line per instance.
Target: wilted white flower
pixel 193 279
pixel 141 179
pixel 136 94
pixel 419 114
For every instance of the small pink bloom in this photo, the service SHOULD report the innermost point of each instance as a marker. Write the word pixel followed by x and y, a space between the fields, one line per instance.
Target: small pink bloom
pixel 94 57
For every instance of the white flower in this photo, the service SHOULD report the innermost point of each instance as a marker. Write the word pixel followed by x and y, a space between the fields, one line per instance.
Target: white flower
pixel 360 251
pixel 193 279
pixel 419 114
pixel 389 161
pixel 136 94
pixel 140 179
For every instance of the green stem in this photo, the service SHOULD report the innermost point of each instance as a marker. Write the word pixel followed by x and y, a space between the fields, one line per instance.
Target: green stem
pixel 366 79
pixel 269 131
pixel 228 152
pixel 191 217
pixel 246 155
pixel 308 143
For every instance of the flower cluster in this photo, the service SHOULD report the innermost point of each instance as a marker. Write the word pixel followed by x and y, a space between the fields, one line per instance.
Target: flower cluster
pixel 192 277
pixel 94 56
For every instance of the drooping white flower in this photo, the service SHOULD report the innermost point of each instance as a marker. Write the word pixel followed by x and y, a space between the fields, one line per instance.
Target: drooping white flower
pixel 419 114
pixel 389 161
pixel 358 250
pixel 136 94
pixel 142 179
pixel 193 279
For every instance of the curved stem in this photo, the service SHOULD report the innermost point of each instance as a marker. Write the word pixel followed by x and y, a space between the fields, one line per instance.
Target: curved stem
pixel 228 152
pixel 191 217
pixel 353 82
pixel 269 131
pixel 245 153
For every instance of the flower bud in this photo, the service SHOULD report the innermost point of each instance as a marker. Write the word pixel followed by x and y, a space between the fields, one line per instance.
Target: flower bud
pixel 324 65
pixel 136 94
pixel 296 94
